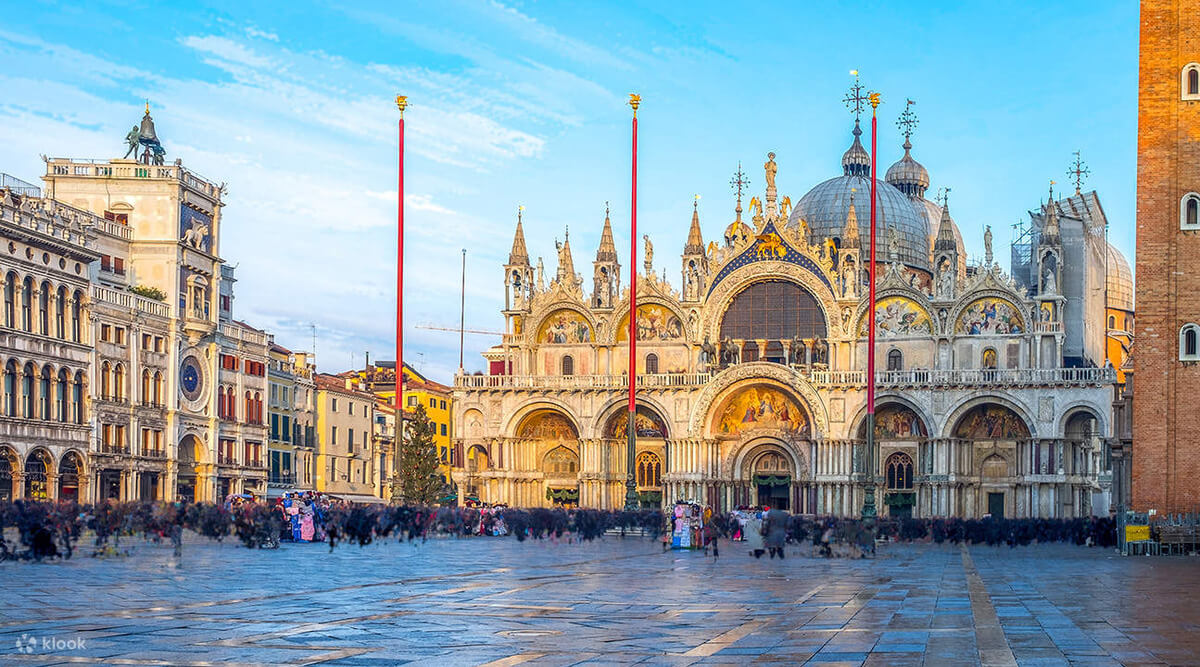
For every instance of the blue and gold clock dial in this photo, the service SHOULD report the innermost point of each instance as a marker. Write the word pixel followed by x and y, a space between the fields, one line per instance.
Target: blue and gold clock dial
pixel 191 378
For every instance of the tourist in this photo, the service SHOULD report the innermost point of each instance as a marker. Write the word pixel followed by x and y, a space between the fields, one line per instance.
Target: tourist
pixel 775 528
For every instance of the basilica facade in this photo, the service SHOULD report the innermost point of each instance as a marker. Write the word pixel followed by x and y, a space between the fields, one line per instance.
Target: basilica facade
pixel 751 376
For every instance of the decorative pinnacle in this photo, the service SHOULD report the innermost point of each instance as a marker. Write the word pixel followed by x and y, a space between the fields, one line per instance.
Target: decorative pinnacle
pixel 695 202
pixel 1051 191
pixel 606 209
pixel 854 99
pixel 1078 172
pixel 401 104
pixel 738 182
pixel 520 210
pixel 908 121
pixel 635 101
pixel 147 107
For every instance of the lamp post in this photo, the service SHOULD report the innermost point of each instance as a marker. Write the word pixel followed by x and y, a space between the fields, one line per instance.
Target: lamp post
pixel 631 497
pixel 868 508
pixel 397 492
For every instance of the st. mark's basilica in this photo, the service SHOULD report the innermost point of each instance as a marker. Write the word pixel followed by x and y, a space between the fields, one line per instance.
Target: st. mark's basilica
pixel 995 388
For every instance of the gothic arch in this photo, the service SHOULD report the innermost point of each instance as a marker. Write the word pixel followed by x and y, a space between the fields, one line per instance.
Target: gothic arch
pixel 968 299
pixel 762 372
pixel 997 398
pixel 721 297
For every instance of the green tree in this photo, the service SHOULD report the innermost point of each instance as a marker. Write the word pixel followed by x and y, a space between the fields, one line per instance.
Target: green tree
pixel 421 481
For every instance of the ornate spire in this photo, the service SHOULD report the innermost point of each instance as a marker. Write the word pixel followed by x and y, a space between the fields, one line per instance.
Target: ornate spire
pixel 1050 233
pixel 566 264
pixel 695 242
pixel 518 255
pixel 908 175
pixel 607 252
pixel 850 232
pixel 946 241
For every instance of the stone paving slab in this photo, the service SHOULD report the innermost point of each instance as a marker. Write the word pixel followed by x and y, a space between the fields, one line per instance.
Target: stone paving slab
pixel 500 603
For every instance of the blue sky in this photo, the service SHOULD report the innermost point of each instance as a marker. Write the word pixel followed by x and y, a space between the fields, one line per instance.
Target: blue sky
pixel 524 103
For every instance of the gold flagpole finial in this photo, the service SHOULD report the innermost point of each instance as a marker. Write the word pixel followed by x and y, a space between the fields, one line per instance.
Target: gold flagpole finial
pixel 873 100
pixel 634 101
pixel 401 104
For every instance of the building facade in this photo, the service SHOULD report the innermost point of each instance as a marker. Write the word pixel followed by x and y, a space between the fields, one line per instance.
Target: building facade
pixel 993 396
pixel 46 347
pixel 166 399
pixel 1166 462
pixel 436 398
pixel 345 457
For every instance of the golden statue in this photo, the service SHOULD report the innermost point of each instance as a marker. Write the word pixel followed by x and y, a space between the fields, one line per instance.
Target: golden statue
pixel 785 205
pixel 755 207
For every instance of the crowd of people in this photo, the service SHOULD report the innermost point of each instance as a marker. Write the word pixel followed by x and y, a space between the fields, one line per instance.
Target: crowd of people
pixel 48 529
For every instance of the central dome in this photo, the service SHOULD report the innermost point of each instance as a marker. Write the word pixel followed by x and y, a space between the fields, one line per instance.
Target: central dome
pixel 827 205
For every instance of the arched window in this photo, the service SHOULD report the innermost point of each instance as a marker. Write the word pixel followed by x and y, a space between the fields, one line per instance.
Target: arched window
pixel 562 461
pixel 774 310
pixel 249 408
pixel 895 360
pixel 989 358
pixel 1112 322
pixel 258 419
pixel 649 470
pixel 1189 212
pixel 158 388
pixel 231 404
pixel 77 398
pixel 568 365
pixel 27 305
pixel 146 388
pixel 60 395
pixel 1191 82
pixel 60 314
pixel 119 382
pixel 1189 343
pixel 44 411
pixel 651 363
pixel 899 471
pixel 105 381
pixel 27 404
pixel 77 317
pixel 10 388
pixel 10 300
pixel 44 310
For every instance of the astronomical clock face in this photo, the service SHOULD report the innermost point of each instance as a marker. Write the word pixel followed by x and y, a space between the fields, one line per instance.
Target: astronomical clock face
pixel 191 378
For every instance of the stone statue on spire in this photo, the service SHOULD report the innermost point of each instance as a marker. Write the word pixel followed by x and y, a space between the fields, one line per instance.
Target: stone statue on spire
pixel 987 245
pixel 770 168
pixel 649 253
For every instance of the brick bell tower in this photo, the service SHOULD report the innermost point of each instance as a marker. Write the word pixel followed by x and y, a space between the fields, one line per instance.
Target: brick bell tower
pixel 1166 404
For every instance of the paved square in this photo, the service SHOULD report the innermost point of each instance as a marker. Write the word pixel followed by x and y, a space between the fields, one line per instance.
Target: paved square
pixel 500 602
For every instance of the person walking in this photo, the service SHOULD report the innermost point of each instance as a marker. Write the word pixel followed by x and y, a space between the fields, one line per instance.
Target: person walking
pixel 775 526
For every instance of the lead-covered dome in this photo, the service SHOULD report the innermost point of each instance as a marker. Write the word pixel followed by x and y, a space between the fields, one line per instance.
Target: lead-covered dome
pixel 825 207
pixel 1120 281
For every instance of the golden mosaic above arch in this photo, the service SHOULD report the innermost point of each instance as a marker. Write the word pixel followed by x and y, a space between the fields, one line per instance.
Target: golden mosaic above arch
pixel 547 425
pixel 897 316
pixel 991 422
pixel 648 424
pixel 654 322
pixel 565 326
pixel 989 316
pixel 760 407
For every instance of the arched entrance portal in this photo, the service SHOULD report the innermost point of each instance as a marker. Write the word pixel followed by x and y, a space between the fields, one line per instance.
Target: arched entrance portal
pixel 37 466
pixel 766 429
pixel 772 479
pixel 188 457
pixel 69 472
pixel 8 465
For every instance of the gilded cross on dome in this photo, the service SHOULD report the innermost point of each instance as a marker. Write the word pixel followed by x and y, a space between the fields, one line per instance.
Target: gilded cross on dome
pixel 1078 172
pixel 855 98
pixel 908 121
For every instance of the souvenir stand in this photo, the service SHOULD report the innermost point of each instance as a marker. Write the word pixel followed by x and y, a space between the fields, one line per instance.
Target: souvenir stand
pixel 687 526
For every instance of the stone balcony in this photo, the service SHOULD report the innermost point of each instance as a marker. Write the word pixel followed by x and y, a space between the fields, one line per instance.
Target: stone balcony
pixel 109 169
pixel 130 301
pixel 1017 377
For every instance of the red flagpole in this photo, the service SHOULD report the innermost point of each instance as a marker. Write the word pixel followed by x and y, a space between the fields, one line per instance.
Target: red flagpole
pixel 868 510
pixel 401 103
pixel 631 500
